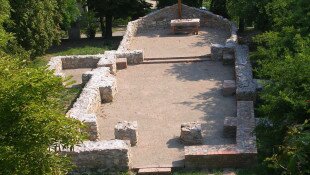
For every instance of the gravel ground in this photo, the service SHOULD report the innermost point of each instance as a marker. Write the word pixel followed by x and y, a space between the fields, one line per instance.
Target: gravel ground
pixel 160 97
pixel 162 43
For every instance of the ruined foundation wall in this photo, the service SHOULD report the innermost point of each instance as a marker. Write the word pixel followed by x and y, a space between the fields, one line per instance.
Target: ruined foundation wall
pixel 100 156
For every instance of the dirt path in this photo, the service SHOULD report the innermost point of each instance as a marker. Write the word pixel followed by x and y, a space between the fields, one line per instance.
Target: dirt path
pixel 162 43
pixel 161 97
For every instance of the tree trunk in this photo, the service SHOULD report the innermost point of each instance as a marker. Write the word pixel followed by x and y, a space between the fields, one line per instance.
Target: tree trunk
pixel 108 26
pixel 200 3
pixel 241 24
pixel 102 26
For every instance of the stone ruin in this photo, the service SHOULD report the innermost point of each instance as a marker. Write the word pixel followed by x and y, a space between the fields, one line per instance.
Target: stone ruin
pixel 100 86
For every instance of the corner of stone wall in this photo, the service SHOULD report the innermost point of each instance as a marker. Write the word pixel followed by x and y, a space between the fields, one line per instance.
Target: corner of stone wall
pixel 55 64
pixel 89 101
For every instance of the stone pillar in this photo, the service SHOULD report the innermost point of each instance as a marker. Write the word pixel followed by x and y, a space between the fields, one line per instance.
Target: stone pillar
pixel 191 133
pixel 217 52
pixel 127 131
pixel 229 87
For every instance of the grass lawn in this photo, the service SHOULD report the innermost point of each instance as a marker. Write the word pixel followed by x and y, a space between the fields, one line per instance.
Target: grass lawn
pixel 78 47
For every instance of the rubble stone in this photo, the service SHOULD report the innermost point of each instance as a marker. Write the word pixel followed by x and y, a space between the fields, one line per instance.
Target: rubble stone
pixel 100 156
pixel 191 133
pixel 127 131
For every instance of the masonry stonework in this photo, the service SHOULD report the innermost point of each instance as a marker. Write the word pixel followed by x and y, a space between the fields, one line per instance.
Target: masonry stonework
pixel 100 157
pixel 127 131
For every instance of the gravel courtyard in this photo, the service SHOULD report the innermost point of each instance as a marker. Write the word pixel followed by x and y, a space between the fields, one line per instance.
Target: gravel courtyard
pixel 162 96
pixel 162 43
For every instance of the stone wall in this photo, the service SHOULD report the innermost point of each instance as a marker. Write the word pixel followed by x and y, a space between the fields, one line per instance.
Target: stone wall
pixel 60 63
pixel 100 157
pixel 161 18
pixel 218 156
pixel 86 106
pixel 246 86
pixel 241 154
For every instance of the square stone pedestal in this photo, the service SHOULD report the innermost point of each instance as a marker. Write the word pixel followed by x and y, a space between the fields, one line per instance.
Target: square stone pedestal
pixel 191 133
pixel 229 87
pixel 127 131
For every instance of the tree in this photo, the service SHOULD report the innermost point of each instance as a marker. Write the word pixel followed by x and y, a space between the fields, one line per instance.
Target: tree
pixel 36 23
pixel 193 3
pixel 32 123
pixel 219 7
pixel 283 57
pixel 110 9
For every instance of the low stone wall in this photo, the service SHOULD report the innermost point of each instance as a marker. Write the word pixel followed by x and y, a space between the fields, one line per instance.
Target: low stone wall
pixel 89 101
pixel 60 63
pixel 100 157
pixel 79 61
pixel 133 57
pixel 241 154
pixel 108 60
pixel 246 86
pixel 218 156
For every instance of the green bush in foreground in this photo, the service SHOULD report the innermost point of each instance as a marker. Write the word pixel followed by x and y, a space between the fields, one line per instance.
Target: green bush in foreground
pixel 32 124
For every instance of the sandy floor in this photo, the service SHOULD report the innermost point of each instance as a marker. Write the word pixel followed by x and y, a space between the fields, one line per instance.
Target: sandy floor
pixel 162 43
pixel 76 75
pixel 161 97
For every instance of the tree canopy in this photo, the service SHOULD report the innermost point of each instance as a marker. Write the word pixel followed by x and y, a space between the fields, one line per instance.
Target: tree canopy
pixel 32 123
pixel 117 9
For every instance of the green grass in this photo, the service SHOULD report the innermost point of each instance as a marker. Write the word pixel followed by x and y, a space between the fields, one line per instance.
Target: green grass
pixel 78 47
pixel 69 96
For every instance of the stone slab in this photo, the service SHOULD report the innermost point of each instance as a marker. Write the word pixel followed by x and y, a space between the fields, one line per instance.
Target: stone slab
pixel 121 63
pixel 185 22
pixel 163 171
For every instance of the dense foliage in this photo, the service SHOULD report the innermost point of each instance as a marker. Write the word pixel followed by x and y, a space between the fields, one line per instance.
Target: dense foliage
pixel 193 3
pixel 283 57
pixel 36 23
pixel 32 123
pixel 111 9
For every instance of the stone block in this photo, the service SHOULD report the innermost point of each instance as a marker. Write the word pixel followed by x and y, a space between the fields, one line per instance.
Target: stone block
pixel 191 133
pixel 230 127
pixel 121 63
pixel 217 52
pixel 108 60
pixel 229 87
pixel 228 58
pixel 107 93
pixel 246 86
pixel 127 131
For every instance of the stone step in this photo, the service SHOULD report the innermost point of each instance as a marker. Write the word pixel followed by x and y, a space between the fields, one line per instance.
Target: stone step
pixel 186 57
pixel 188 60
pixel 159 171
